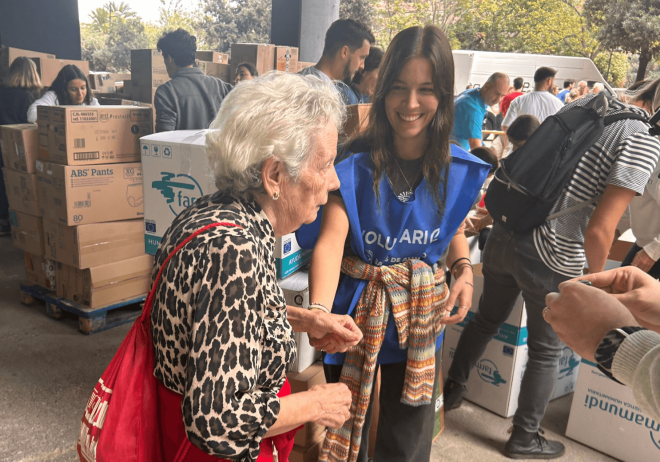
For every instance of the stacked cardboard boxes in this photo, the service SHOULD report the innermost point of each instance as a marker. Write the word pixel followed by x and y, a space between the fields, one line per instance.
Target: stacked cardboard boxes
pixel 48 66
pixel 495 381
pixel 76 199
pixel 148 72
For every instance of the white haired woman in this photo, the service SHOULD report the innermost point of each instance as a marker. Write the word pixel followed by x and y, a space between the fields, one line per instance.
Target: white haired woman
pixel 222 332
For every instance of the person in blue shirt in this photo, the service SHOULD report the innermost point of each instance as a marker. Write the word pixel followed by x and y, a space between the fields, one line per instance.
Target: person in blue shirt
pixel 568 86
pixel 470 110
pixel 384 241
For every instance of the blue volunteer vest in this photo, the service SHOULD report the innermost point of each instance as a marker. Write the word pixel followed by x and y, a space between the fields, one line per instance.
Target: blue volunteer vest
pixel 392 231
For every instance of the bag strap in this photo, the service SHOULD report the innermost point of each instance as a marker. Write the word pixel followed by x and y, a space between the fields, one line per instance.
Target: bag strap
pixel 610 119
pixel 574 208
pixel 146 312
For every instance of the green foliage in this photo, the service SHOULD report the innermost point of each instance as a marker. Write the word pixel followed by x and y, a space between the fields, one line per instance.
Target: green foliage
pixel 618 68
pixel 360 10
pixel 235 21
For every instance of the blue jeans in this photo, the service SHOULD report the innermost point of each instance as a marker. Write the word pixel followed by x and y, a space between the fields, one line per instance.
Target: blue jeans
pixel 511 264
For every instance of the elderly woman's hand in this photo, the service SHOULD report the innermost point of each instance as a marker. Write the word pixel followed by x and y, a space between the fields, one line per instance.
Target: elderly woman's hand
pixel 333 402
pixel 333 332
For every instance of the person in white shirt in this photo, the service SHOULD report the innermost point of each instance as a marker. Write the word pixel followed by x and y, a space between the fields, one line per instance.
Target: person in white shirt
pixel 540 103
pixel 70 88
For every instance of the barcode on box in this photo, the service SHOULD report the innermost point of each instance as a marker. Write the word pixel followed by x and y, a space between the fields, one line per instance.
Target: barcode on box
pixel 82 204
pixel 79 143
pixel 86 155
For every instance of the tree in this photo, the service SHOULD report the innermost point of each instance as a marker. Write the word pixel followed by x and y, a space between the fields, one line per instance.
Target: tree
pixel 630 25
pixel 104 16
pixel 360 10
pixel 235 21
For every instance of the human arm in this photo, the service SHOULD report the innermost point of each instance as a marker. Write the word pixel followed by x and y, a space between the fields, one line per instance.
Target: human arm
pixel 474 142
pixel 462 287
pixel 325 267
pixel 48 99
pixel 600 230
pixel 650 253
pixel 166 113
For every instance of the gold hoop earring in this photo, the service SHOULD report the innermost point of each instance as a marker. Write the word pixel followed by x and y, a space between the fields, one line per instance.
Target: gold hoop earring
pixel 276 195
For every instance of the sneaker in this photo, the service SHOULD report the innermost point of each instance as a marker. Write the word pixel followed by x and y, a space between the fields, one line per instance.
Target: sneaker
pixel 452 394
pixel 531 445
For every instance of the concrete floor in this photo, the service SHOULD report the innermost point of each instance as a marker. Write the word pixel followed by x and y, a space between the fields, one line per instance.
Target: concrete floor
pixel 48 370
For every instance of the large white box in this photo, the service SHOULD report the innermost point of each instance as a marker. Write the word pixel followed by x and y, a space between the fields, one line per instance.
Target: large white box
pixel 175 173
pixel 495 381
pixel 605 416
pixel 296 293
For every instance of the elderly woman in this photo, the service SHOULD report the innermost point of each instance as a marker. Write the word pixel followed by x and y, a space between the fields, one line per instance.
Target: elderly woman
pixel 222 332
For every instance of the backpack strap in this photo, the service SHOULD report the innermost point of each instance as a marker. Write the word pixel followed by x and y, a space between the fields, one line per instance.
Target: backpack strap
pixel 610 119
pixel 146 313
pixel 574 208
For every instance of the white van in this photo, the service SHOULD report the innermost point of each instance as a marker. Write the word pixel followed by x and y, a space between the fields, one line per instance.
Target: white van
pixel 474 67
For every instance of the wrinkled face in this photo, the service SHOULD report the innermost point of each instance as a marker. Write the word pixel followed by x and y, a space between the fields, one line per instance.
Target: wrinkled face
pixel 355 60
pixel 301 200
pixel 77 89
pixel 583 89
pixel 493 94
pixel 369 80
pixel 243 74
pixel 411 104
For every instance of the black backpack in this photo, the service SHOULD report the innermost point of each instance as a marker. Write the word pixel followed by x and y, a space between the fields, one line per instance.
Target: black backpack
pixel 531 179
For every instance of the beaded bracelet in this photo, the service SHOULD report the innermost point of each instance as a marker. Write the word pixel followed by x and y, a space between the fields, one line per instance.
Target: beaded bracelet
pixel 318 306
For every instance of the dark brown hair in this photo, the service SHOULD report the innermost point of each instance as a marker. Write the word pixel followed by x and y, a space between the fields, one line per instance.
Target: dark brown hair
pixel 430 43
pixel 67 74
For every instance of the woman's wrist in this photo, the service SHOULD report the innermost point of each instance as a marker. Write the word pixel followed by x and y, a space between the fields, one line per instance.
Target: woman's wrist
pixel 462 271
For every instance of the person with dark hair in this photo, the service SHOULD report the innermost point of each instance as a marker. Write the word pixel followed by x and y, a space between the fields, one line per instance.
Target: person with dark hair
pixel 70 88
pixel 191 99
pixel 521 129
pixel 518 83
pixel 609 174
pixel 487 155
pixel 362 87
pixel 347 44
pixel 245 71
pixel 397 217
pixel 18 90
pixel 470 110
pixel 568 86
pixel 540 103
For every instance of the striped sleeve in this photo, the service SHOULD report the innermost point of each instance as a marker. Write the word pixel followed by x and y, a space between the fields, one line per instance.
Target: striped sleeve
pixel 636 157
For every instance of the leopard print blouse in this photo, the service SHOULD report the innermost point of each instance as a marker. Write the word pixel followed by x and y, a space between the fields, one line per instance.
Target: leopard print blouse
pixel 220 333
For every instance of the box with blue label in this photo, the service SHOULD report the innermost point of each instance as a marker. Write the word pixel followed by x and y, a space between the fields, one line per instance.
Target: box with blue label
pixel 495 381
pixel 289 257
pixel 605 416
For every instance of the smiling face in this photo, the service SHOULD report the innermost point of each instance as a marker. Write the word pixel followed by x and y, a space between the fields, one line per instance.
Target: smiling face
pixel 411 104
pixel 77 90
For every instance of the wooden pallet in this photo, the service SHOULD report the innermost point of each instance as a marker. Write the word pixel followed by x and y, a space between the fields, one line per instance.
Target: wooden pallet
pixel 90 320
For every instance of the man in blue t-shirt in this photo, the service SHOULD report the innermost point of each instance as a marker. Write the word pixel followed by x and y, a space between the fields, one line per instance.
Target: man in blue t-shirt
pixel 568 86
pixel 470 109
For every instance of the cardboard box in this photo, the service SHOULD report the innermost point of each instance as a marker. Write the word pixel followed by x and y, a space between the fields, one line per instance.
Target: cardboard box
pixel 303 381
pixel 297 454
pixel 221 71
pixel 212 56
pixel 143 94
pixel 8 55
pixel 27 232
pixel 308 439
pixel 90 194
pixel 105 285
pixel 48 68
pixel 495 381
pixel 20 146
pixel 296 293
pixel 95 244
pixel 106 81
pixel 22 193
pixel 40 271
pixel 605 416
pixel 148 68
pixel 286 59
pixel 357 118
pixel 289 257
pixel 261 56
pixel 176 174
pixel 90 135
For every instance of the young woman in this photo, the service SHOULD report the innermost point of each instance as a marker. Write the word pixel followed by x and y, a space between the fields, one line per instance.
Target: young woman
pixel 244 72
pixel 397 221
pixel 70 88
pixel 20 87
